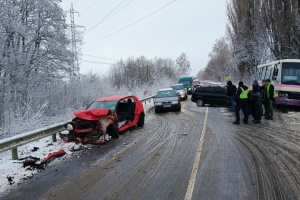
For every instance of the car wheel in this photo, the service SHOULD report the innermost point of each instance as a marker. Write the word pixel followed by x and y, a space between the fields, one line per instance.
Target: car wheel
pixel 113 131
pixel 179 109
pixel 141 121
pixel 200 102
pixel 155 110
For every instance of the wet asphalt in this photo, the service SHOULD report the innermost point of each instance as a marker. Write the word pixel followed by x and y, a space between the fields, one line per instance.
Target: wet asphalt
pixel 156 162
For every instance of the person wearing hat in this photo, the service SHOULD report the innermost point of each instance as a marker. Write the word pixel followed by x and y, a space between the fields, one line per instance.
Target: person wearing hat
pixel 269 97
pixel 242 103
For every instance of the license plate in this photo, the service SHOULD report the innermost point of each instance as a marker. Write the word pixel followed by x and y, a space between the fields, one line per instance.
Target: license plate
pixel 167 106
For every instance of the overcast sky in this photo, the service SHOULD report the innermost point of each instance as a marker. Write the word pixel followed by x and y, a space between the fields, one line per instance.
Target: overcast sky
pixel 189 26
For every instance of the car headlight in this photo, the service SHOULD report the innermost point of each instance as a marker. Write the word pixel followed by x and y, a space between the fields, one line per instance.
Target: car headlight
pixel 181 92
pixel 190 89
pixel 283 95
pixel 70 127
pixel 158 103
pixel 174 102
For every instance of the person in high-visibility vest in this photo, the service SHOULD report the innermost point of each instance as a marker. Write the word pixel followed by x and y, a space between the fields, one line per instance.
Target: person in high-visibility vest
pixel 242 103
pixel 269 97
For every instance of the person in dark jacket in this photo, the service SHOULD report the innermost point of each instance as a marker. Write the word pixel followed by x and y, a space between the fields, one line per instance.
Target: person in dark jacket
pixel 257 110
pixel 255 83
pixel 241 103
pixel 269 97
pixel 231 92
pixel 263 87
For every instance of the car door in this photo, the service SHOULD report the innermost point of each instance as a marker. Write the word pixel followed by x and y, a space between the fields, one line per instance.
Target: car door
pixel 209 95
pixel 221 95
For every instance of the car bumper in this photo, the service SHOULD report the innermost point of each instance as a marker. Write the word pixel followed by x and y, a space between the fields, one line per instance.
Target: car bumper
pixel 167 107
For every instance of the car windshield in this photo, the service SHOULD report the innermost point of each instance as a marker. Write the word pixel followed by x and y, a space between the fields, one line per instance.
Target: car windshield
pixel 103 104
pixel 291 73
pixel 167 93
pixel 177 87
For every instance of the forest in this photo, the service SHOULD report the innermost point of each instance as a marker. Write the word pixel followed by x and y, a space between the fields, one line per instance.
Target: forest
pixel 258 31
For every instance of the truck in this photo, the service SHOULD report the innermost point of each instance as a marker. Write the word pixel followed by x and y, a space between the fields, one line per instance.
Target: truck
pixel 187 83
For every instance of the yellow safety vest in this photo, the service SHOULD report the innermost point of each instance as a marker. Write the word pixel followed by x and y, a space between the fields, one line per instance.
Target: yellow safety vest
pixel 244 94
pixel 268 89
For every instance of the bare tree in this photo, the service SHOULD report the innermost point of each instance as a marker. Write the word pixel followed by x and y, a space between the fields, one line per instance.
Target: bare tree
pixel 183 65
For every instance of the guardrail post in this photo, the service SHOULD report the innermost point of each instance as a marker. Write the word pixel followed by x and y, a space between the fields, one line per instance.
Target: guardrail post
pixel 54 138
pixel 14 153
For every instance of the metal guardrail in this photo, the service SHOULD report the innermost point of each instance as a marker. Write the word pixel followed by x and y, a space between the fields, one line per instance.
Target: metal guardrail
pixel 14 142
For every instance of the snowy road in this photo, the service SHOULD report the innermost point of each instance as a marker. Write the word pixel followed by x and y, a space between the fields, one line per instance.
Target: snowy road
pixel 157 162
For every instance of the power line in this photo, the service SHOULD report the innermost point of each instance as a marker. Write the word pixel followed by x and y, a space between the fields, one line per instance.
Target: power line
pixel 76 3
pixel 104 17
pixel 99 57
pixel 89 7
pixel 118 10
pixel 133 23
pixel 96 62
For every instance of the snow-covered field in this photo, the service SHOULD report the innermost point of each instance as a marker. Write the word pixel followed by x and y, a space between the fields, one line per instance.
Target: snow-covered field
pixel 15 170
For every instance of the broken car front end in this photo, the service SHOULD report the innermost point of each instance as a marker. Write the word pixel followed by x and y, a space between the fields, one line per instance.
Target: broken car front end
pixel 96 126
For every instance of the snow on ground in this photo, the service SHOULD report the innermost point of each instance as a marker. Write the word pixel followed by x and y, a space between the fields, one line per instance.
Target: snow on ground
pixel 14 168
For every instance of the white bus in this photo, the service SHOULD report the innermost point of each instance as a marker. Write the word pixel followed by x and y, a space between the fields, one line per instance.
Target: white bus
pixel 286 77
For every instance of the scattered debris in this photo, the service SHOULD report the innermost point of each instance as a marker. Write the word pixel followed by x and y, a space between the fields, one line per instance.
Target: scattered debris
pixel 10 180
pixel 184 133
pixel 54 155
pixel 35 149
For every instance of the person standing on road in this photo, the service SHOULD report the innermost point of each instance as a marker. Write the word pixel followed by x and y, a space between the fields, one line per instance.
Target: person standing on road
pixel 269 97
pixel 241 103
pixel 255 83
pixel 257 110
pixel 263 88
pixel 231 92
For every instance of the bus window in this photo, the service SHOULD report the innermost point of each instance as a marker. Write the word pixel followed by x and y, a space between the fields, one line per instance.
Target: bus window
pixel 276 73
pixel 263 73
pixel 291 73
pixel 268 72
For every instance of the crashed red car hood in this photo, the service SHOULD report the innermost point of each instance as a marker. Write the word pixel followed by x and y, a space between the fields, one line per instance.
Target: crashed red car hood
pixel 92 114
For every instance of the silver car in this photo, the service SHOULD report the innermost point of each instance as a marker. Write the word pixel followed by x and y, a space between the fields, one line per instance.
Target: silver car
pixel 167 99
pixel 181 91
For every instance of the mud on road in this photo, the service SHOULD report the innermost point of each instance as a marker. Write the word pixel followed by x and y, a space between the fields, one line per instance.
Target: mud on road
pixel 237 162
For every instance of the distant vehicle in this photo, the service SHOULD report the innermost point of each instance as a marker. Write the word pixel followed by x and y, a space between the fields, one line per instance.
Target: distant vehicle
pixel 180 91
pixel 286 77
pixel 188 83
pixel 104 118
pixel 166 99
pixel 213 95
pixel 196 83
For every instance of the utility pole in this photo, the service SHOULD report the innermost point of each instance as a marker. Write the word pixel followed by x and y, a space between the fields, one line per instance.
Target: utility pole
pixel 75 67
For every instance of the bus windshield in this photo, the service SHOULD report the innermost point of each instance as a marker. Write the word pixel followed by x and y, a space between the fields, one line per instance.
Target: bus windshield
pixel 290 73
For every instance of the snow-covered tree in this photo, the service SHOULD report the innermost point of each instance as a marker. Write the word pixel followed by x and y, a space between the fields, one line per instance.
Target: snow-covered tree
pixel 183 65
pixel 34 53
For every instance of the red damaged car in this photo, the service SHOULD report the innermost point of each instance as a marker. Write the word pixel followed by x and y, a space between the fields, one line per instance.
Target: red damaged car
pixel 103 119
